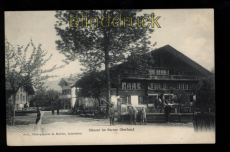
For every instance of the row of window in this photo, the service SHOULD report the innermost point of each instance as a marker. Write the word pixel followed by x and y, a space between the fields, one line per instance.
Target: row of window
pixel 180 86
pixel 183 86
pixel 127 100
pixel 21 90
pixel 131 86
pixel 158 72
pixel 151 71
pixel 20 98
pixel 66 91
pixel 141 99
pixel 154 86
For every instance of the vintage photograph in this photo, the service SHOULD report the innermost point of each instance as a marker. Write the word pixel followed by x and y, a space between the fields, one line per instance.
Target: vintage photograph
pixel 110 77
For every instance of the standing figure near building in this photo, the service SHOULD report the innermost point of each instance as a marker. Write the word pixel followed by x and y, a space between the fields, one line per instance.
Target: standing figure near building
pixel 135 111
pixel 38 116
pixel 161 105
pixel 52 107
pixel 25 105
pixel 160 101
pixel 131 115
pixel 167 111
pixel 112 111
pixel 143 116
pixel 58 106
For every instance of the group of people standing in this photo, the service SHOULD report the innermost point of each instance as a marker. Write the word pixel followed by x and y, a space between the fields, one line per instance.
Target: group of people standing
pixel 133 112
pixel 55 106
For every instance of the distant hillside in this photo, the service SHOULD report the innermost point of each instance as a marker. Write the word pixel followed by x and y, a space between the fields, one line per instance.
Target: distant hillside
pixel 54 84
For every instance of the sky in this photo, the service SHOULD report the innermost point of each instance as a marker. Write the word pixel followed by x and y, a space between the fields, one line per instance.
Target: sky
pixel 190 31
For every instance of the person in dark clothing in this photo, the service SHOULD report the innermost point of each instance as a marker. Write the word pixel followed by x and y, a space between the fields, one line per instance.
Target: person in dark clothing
pixel 167 111
pixel 25 105
pixel 58 106
pixel 112 111
pixel 52 108
pixel 38 116
pixel 135 111
pixel 131 114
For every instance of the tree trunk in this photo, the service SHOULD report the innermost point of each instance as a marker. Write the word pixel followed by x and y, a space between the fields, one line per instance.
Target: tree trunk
pixel 14 101
pixel 107 83
pixel 106 51
pixel 99 102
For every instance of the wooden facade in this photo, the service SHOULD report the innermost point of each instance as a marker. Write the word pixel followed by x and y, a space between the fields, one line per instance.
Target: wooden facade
pixel 68 96
pixel 170 71
pixel 22 97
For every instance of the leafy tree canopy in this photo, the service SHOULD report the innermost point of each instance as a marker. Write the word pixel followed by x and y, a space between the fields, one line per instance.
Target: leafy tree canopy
pixel 97 46
pixel 92 46
pixel 206 92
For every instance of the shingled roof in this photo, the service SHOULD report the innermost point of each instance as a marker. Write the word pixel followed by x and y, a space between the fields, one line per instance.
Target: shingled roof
pixel 184 58
pixel 69 81
pixel 28 88
pixel 178 55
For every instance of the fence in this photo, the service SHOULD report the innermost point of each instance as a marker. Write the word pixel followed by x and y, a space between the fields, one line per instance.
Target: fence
pixel 174 117
pixel 204 122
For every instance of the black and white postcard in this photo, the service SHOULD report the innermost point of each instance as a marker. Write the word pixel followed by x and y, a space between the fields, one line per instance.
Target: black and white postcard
pixel 110 77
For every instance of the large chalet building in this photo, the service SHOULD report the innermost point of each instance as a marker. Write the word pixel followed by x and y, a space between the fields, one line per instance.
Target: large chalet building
pixel 171 71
